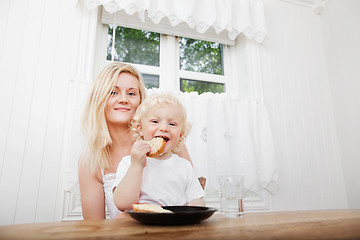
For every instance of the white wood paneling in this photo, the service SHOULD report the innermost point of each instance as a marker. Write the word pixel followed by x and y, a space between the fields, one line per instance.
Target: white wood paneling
pixel 36 64
pixel 55 55
pixel 33 118
pixel 14 96
pixel 4 15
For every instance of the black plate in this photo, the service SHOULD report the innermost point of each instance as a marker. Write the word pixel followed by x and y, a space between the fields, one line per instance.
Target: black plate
pixel 181 215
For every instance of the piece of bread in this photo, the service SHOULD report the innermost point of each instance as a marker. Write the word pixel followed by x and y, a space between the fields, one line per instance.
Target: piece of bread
pixel 157 146
pixel 149 208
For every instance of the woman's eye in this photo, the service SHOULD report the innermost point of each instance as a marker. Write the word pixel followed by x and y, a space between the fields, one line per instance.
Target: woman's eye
pixel 113 93
pixel 132 94
pixel 173 124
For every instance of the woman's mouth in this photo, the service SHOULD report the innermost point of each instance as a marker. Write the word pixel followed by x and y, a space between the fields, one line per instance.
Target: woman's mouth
pixel 122 109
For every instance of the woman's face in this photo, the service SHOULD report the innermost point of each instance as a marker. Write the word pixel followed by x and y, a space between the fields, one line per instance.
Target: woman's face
pixel 124 100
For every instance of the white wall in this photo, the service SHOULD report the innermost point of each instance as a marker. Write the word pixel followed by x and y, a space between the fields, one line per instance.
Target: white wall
pixel 43 44
pixel 38 49
pixel 341 33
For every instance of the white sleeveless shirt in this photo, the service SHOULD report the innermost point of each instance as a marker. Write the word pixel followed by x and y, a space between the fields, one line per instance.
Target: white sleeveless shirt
pixel 108 180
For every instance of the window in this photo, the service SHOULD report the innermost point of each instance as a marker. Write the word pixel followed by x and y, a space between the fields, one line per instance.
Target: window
pixel 167 61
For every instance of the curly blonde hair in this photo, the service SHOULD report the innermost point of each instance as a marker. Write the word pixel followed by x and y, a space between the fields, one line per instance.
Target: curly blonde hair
pixel 94 125
pixel 154 101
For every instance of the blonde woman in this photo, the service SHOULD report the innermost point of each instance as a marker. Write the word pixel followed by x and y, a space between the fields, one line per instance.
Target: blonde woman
pixel 114 97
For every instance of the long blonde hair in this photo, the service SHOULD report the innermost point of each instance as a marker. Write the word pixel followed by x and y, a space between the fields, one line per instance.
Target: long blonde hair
pixel 94 125
pixel 153 101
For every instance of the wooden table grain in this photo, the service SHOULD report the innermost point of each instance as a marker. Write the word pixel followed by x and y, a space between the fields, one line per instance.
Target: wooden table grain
pixel 320 224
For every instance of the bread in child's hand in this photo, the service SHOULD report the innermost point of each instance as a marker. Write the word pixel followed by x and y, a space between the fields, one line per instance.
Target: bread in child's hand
pixel 149 208
pixel 157 146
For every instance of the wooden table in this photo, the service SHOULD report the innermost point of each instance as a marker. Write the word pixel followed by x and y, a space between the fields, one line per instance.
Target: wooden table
pixel 322 224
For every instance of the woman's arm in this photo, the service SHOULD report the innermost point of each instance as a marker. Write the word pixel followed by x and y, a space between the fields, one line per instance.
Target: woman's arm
pixel 183 153
pixel 92 193
pixel 194 190
pixel 197 202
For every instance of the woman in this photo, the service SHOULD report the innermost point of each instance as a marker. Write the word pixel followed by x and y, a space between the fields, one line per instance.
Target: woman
pixel 114 97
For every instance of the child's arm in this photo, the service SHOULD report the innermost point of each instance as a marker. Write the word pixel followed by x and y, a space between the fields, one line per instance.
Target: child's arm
pixel 127 192
pixel 197 202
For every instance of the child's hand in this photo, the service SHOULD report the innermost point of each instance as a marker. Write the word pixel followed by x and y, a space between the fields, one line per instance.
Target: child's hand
pixel 138 153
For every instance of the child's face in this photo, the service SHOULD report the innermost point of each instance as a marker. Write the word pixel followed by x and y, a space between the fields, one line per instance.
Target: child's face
pixel 165 121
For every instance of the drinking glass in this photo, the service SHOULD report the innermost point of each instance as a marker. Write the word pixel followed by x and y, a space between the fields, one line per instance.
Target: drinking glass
pixel 231 195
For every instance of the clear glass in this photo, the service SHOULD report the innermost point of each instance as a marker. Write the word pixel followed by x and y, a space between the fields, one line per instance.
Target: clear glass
pixel 187 85
pixel 151 81
pixel 201 56
pixel 231 195
pixel 134 46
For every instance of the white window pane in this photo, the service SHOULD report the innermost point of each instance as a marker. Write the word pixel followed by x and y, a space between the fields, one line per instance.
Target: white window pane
pixel 151 81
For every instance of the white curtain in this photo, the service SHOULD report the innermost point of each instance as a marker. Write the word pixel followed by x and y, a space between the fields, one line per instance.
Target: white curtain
pixel 232 16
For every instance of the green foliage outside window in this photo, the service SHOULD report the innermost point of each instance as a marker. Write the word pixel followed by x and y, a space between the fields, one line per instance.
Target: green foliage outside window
pixel 187 85
pixel 201 56
pixel 134 46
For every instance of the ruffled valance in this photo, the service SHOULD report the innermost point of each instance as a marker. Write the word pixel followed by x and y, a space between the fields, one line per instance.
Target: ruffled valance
pixel 230 16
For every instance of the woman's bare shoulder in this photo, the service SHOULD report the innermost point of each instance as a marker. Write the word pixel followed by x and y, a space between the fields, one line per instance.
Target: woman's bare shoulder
pixel 85 172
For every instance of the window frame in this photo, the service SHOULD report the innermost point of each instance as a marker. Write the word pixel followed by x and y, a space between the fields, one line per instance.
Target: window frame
pixel 169 62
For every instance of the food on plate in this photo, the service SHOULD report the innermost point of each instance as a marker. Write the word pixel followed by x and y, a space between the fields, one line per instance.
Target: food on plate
pixel 149 208
pixel 157 145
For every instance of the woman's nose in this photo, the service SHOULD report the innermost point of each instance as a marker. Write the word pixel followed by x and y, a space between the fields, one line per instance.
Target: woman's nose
pixel 122 98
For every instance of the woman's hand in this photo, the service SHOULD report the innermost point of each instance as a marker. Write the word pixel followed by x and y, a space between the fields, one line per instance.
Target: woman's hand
pixel 138 153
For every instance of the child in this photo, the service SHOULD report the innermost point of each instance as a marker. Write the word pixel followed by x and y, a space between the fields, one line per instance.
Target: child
pixel 163 180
